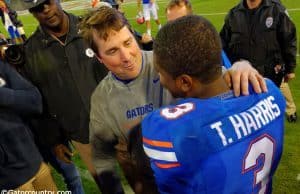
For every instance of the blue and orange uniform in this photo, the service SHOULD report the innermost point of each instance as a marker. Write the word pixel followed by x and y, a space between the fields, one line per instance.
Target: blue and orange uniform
pixel 216 145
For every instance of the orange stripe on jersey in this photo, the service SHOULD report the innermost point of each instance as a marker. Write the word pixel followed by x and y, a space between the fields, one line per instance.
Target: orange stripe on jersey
pixel 164 144
pixel 170 165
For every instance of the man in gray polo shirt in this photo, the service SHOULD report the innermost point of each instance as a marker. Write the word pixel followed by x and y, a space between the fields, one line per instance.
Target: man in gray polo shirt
pixel 129 91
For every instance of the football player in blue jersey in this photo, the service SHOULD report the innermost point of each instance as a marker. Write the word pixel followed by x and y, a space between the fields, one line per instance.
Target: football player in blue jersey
pixel 210 142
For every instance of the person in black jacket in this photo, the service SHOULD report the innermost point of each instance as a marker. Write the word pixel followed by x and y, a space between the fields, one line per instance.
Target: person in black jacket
pixel 261 31
pixel 21 166
pixel 66 73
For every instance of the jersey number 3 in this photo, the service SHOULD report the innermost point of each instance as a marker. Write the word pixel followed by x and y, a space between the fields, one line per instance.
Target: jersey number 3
pixel 177 111
pixel 263 147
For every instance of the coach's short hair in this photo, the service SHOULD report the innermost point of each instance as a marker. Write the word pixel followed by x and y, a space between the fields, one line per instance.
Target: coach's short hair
pixel 180 3
pixel 189 45
pixel 101 21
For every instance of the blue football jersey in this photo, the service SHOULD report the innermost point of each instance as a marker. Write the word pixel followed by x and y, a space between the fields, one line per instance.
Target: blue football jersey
pixel 217 145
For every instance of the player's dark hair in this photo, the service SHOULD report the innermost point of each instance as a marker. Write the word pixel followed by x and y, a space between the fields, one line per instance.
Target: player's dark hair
pixel 189 45
pixel 101 21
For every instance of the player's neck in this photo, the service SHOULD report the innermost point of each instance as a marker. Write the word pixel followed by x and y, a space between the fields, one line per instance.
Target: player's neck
pixel 212 89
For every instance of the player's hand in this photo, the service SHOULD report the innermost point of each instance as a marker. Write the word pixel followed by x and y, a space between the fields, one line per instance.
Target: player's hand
pixel 63 153
pixel 239 76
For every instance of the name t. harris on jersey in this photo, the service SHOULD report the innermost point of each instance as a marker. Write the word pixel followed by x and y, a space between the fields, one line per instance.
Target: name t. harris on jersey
pixel 247 122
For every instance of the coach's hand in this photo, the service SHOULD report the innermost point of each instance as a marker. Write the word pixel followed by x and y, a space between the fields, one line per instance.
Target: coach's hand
pixel 63 153
pixel 240 74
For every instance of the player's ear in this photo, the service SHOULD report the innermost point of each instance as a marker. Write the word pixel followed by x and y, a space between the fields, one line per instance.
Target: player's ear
pixel 184 83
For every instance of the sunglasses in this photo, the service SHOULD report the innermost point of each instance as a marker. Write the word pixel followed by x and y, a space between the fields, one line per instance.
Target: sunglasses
pixel 40 7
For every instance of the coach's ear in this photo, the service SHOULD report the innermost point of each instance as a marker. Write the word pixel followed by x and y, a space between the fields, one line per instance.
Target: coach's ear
pixel 184 82
pixel 98 58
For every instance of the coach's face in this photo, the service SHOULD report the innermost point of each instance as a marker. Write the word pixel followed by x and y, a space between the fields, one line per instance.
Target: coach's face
pixel 49 14
pixel 120 53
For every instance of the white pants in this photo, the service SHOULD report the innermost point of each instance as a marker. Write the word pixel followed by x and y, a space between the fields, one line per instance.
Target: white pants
pixel 150 8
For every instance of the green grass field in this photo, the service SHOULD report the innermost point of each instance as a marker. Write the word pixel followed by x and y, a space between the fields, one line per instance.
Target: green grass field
pixel 287 178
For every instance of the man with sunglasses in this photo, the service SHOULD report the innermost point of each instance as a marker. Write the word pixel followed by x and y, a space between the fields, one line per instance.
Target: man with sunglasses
pixel 66 73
